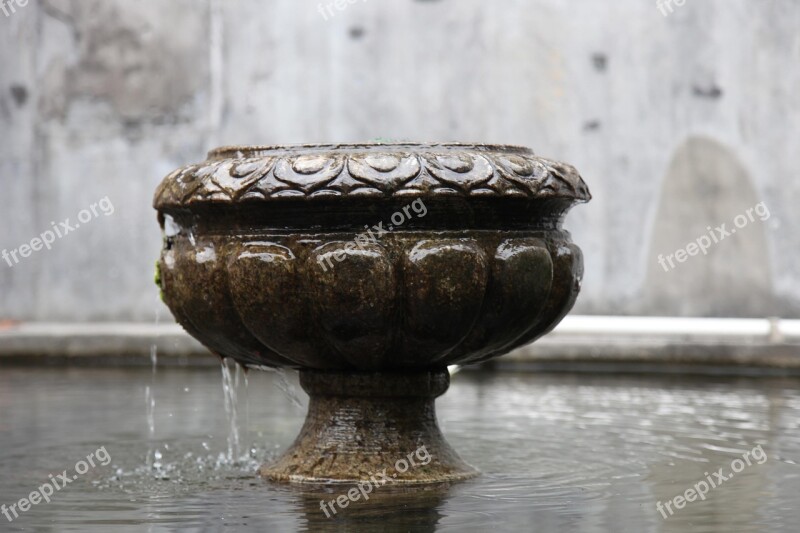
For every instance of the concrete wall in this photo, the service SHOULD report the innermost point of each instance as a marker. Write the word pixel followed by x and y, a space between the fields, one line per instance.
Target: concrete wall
pixel 677 123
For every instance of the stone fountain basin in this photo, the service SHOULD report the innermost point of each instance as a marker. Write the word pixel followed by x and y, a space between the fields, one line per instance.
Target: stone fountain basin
pixel 369 257
pixel 370 268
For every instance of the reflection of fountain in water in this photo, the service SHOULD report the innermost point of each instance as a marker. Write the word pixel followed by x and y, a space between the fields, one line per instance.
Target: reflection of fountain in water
pixel 387 508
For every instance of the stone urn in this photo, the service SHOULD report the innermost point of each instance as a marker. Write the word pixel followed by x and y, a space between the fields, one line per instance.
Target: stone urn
pixel 369 268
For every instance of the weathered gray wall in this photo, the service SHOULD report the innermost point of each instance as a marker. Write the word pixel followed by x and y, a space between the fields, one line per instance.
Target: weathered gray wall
pixel 676 123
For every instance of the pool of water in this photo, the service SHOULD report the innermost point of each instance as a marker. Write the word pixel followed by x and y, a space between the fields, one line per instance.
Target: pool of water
pixel 557 452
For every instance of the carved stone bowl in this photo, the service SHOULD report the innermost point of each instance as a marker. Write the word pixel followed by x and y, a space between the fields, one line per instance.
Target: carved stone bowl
pixel 370 268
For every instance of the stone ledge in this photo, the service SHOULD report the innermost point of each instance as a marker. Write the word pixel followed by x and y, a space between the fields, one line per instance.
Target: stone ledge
pixel 99 343
pixel 580 343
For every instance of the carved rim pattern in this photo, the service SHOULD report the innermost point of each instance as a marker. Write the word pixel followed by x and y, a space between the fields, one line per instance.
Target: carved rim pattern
pixel 369 171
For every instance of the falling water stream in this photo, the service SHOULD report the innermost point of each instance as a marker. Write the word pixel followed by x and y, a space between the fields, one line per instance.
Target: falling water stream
pixel 153 455
pixel 229 389
pixel 286 387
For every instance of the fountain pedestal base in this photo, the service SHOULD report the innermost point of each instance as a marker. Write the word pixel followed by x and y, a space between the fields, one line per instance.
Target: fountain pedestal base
pixel 370 426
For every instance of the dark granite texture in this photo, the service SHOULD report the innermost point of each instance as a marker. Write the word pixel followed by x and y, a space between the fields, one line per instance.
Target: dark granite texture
pixel 361 262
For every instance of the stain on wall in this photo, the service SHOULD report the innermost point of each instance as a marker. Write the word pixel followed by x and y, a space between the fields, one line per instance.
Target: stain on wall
pixel 122 54
pixel 705 193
